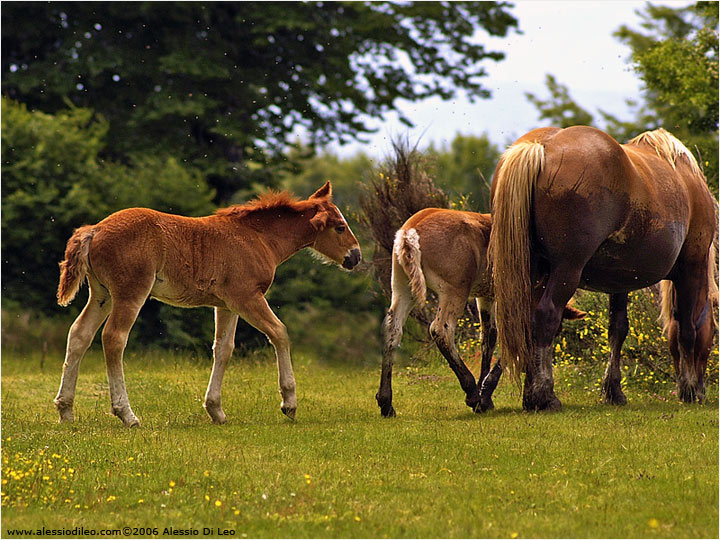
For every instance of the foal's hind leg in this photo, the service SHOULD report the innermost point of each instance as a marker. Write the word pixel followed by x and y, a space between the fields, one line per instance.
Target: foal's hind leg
pixel 488 378
pixel 257 312
pixel 617 332
pixel 225 324
pixel 79 339
pixel 114 338
pixel 442 330
pixel 392 329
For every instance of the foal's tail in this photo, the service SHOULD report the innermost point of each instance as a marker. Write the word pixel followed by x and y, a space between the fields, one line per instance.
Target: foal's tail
pixel 509 251
pixel 406 251
pixel 667 292
pixel 75 266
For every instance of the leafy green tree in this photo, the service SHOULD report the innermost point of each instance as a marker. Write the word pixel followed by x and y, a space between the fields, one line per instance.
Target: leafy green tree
pixel 677 59
pixel 560 109
pixel 225 86
pixel 46 195
pixel 465 168
pixel 676 56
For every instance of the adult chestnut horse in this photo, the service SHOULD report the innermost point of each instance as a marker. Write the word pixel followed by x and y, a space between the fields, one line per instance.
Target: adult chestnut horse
pixel 226 261
pixel 573 208
pixel 445 250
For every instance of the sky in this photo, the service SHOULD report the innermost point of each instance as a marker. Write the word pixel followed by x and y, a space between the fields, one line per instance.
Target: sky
pixel 571 40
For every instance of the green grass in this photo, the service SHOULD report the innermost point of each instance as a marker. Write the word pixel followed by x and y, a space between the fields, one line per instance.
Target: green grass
pixel 649 469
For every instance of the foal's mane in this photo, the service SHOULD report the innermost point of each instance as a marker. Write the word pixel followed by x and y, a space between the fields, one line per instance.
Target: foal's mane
pixel 272 200
pixel 667 147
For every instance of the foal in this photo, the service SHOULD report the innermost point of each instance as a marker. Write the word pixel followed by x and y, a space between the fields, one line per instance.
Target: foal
pixel 226 261
pixel 445 250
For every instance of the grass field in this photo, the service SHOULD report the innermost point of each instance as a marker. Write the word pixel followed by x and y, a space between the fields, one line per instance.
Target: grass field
pixel 649 469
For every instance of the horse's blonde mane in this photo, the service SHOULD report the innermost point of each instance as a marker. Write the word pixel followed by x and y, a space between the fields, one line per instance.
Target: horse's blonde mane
pixel 667 147
pixel 267 201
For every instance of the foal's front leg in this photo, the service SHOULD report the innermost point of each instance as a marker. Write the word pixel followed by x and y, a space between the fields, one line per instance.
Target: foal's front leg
pixel 225 325
pixel 257 312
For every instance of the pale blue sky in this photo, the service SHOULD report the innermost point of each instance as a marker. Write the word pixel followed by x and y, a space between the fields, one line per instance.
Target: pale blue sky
pixel 569 39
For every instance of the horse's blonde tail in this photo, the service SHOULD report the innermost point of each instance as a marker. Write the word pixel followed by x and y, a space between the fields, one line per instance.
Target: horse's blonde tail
pixel 509 251
pixel 406 250
pixel 667 294
pixel 75 266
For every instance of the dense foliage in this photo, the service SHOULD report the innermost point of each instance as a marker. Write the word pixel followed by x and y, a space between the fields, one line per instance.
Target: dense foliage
pixel 676 57
pixel 227 86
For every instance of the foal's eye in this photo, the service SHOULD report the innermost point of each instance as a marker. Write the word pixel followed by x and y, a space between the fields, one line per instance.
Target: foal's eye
pixel 340 229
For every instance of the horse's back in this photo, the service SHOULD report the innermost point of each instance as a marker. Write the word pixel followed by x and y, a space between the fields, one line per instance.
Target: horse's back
pixel 621 215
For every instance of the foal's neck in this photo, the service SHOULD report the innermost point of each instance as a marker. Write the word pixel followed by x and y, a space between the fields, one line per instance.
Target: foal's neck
pixel 286 234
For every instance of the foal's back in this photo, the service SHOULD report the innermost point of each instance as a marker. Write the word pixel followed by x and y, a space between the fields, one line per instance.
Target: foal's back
pixel 454 249
pixel 181 260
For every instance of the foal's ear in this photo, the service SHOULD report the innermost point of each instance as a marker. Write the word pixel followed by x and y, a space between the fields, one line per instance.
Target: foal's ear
pixel 324 192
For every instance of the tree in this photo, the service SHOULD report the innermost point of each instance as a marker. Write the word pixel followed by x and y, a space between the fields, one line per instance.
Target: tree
pixel 46 195
pixel 225 86
pixel 465 169
pixel 677 60
pixel 560 108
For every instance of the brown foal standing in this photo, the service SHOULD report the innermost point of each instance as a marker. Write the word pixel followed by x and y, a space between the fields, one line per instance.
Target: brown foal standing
pixel 445 250
pixel 226 261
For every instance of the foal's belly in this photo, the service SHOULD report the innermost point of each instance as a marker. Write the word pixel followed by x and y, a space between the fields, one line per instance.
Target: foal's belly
pixel 197 295
pixel 623 264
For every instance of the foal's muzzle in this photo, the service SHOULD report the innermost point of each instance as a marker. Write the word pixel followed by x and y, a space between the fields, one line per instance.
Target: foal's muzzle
pixel 352 258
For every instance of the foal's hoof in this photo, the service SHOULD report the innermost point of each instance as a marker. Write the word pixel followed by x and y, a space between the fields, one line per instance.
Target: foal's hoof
pixel 65 410
pixel 66 416
pixel 486 404
pixel 216 414
pixel 385 404
pixel 289 412
pixel 128 417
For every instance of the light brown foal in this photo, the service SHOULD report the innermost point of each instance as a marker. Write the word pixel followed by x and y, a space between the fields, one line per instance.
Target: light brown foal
pixel 445 250
pixel 226 261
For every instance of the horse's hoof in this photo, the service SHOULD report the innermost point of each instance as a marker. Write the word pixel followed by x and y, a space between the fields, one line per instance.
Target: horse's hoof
pixel 549 404
pixel 613 398
pixel 65 410
pixel 613 394
pixel 289 412
pixel 387 411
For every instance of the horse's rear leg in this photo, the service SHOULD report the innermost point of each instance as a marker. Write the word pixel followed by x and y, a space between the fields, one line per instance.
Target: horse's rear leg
pixel 617 332
pixel 79 339
pixel 693 309
pixel 257 313
pixel 488 380
pixel 114 338
pixel 392 330
pixel 442 330
pixel 539 393
pixel 225 325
